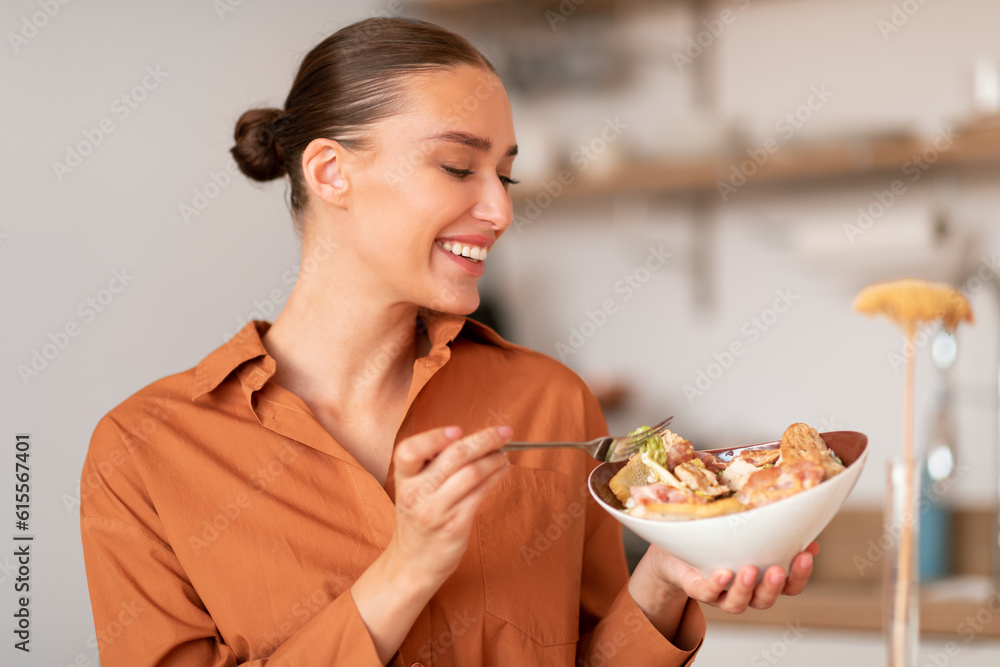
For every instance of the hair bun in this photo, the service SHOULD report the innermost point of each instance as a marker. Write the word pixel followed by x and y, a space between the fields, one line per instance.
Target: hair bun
pixel 257 151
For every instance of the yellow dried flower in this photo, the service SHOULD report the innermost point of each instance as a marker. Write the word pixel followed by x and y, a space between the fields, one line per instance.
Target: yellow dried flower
pixel 911 302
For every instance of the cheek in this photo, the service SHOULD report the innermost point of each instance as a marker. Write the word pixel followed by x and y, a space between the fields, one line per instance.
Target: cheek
pixel 431 207
pixel 408 213
pixel 397 198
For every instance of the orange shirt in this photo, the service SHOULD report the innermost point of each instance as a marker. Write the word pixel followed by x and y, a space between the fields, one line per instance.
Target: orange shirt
pixel 223 525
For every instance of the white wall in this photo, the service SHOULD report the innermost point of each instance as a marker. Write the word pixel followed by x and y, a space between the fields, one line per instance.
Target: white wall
pixel 194 282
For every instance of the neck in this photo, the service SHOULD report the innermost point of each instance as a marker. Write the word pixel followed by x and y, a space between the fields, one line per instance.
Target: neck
pixel 338 344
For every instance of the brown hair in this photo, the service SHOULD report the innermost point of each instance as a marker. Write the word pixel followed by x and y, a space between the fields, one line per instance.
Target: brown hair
pixel 350 80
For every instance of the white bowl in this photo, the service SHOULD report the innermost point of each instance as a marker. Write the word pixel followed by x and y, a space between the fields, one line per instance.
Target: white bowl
pixel 769 535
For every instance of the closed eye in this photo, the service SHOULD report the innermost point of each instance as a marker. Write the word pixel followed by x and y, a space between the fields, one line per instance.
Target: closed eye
pixel 457 173
pixel 461 174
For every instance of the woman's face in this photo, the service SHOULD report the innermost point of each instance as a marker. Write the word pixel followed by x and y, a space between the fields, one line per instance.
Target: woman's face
pixel 431 198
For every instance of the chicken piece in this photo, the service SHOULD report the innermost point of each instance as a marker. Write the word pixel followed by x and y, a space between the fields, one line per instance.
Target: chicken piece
pixel 746 464
pixel 699 479
pixel 658 473
pixel 661 493
pixel 770 484
pixel 711 461
pixel 802 443
pixel 760 457
pixel 737 473
pixel 676 450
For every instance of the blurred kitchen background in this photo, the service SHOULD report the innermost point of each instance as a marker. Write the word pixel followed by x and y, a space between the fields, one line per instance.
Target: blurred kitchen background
pixel 783 154
pixel 705 187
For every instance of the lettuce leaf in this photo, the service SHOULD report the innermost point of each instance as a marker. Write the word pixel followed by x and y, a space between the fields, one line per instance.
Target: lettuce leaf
pixel 653 445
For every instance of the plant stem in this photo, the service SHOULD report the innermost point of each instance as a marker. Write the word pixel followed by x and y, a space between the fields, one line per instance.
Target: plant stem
pixel 901 615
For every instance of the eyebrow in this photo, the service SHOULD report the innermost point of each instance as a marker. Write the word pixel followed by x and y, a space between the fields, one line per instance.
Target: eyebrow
pixel 481 144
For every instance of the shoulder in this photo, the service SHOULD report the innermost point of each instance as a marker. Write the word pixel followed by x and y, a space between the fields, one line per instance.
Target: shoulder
pixel 113 483
pixel 555 396
pixel 159 397
pixel 487 346
pixel 144 412
pixel 175 398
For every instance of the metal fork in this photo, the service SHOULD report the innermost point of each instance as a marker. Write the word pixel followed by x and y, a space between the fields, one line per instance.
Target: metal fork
pixel 603 449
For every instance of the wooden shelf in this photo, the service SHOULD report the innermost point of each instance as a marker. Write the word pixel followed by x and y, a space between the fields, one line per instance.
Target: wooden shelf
pixel 796 163
pixel 904 157
pixel 535 6
pixel 842 596
pixel 859 607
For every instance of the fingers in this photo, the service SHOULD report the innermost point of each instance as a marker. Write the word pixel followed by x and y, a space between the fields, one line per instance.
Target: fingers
pixel 464 451
pixel 413 453
pixel 436 471
pixel 802 567
pixel 744 591
pixel 769 588
pixel 469 478
pixel 469 503
pixel 709 590
pixel 737 598
pixel 774 582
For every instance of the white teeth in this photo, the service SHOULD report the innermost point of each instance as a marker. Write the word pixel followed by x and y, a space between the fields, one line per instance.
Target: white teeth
pixel 474 253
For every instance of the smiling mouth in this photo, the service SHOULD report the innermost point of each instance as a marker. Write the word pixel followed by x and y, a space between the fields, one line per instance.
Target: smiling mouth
pixel 474 254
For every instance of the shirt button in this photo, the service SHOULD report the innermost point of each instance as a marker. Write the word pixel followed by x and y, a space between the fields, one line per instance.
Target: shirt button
pixel 417 664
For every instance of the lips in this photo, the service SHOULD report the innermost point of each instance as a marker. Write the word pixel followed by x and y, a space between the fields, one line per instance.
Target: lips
pixel 473 253
pixel 466 251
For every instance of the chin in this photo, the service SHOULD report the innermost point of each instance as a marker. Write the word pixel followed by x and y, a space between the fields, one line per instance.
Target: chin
pixel 462 310
pixel 463 303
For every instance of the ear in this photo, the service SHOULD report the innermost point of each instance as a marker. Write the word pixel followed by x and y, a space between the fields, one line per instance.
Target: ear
pixel 324 167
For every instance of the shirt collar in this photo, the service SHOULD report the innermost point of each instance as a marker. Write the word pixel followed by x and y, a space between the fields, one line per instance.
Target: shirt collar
pixel 217 366
pixel 246 345
pixel 443 328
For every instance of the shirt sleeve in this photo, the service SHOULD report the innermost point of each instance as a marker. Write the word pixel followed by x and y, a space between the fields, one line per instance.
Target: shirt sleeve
pixel 612 624
pixel 147 612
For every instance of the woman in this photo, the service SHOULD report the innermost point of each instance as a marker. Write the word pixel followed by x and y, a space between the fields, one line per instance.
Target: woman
pixel 326 489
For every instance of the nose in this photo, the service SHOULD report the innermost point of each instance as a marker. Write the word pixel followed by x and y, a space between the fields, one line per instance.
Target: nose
pixel 494 205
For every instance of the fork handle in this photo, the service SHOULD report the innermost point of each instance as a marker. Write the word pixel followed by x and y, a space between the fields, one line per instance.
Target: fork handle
pixel 519 446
